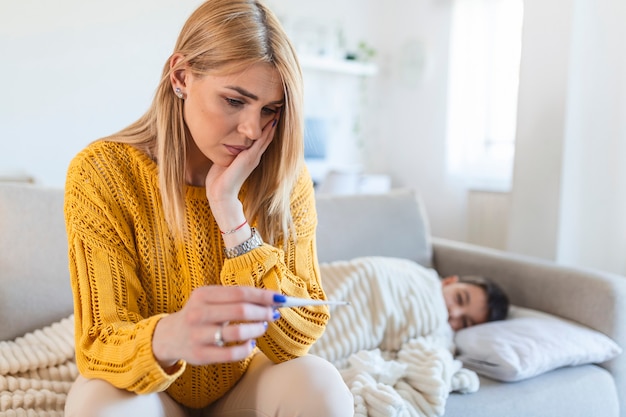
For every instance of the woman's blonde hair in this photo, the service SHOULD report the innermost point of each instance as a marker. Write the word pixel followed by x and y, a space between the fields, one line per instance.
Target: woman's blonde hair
pixel 224 36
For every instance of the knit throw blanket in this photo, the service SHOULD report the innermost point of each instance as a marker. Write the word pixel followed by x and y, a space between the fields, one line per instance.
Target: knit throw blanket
pixel 392 345
pixel 37 371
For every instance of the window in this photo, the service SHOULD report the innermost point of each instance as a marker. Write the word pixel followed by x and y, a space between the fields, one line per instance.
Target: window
pixel 482 92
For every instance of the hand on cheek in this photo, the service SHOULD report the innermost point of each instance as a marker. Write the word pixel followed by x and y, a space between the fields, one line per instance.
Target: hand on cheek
pixel 223 183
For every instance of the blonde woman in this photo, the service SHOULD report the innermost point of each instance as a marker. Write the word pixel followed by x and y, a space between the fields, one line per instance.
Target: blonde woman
pixel 187 229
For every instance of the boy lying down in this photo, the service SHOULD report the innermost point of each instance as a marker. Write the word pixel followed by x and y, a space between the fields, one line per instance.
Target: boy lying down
pixel 394 345
pixel 395 300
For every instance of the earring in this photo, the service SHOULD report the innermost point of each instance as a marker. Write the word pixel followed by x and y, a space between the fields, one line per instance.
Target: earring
pixel 178 92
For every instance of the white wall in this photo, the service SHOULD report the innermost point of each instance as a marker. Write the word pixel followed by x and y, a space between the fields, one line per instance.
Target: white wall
pixel 77 70
pixel 542 108
pixel 569 191
pixel 409 139
pixel 592 223
pixel 405 122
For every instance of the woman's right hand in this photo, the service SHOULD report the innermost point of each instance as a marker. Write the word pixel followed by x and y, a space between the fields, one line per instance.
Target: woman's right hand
pixel 223 183
pixel 192 334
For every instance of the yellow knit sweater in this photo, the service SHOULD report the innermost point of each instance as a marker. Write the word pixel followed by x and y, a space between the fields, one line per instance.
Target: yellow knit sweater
pixel 127 272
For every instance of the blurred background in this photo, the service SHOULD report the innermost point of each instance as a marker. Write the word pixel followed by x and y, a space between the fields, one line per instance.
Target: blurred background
pixel 507 116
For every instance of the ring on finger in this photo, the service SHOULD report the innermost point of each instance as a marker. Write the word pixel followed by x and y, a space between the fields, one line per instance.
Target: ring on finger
pixel 218 338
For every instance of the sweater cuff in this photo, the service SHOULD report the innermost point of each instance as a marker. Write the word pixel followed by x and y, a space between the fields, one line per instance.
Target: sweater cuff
pixel 261 259
pixel 155 379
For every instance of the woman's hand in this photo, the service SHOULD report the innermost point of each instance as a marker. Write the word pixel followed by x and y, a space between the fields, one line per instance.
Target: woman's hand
pixel 224 183
pixel 194 333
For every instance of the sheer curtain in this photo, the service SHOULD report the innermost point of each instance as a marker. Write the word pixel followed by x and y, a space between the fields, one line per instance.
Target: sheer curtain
pixel 482 92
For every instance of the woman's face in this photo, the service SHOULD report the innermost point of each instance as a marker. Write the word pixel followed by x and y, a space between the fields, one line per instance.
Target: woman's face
pixel 225 114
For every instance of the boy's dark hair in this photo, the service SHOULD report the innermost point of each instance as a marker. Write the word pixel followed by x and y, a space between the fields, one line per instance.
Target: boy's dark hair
pixel 497 301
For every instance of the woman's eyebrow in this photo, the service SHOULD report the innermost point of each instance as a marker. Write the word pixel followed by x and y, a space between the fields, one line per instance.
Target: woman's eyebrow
pixel 250 95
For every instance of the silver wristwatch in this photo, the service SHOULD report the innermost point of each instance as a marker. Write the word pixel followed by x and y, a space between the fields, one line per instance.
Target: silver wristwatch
pixel 254 242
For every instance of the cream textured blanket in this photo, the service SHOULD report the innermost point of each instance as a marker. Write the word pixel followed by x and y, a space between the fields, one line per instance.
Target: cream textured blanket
pixel 392 345
pixel 37 371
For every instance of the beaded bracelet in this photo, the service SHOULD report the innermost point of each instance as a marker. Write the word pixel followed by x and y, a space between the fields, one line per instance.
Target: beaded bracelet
pixel 228 232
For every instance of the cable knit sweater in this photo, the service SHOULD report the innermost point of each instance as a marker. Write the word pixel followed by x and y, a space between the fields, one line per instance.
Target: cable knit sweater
pixel 127 272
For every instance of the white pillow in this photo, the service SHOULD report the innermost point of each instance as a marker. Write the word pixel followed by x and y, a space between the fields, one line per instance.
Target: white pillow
pixel 529 343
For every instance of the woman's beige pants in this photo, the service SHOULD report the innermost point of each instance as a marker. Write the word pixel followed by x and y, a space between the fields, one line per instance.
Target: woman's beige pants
pixel 304 387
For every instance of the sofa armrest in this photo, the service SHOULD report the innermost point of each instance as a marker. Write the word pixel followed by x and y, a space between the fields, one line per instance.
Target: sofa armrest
pixel 594 298
pixel 34 276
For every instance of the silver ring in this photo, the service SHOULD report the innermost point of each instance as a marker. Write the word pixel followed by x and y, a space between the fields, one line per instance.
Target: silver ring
pixel 218 339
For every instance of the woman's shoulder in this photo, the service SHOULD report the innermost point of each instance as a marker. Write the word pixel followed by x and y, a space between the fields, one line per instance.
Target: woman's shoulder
pixel 105 158
pixel 110 152
pixel 304 181
pixel 302 192
pixel 104 148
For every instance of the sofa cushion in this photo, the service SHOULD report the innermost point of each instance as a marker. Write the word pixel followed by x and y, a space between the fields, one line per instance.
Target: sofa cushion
pixel 34 273
pixel 396 226
pixel 579 391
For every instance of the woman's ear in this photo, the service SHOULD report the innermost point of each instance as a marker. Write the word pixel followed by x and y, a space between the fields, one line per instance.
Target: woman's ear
pixel 452 279
pixel 178 77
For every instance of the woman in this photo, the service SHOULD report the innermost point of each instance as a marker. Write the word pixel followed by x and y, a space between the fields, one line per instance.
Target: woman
pixel 188 227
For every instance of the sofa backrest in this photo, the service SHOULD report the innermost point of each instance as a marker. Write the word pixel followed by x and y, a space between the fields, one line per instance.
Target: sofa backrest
pixel 389 224
pixel 34 277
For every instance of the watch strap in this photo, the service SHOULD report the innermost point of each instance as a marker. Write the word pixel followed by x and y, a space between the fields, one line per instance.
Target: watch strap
pixel 253 242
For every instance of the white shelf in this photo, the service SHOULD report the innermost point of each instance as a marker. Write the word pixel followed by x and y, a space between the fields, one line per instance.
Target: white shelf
pixel 340 66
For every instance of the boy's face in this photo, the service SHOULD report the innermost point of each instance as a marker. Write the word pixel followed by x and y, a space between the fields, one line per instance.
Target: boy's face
pixel 466 303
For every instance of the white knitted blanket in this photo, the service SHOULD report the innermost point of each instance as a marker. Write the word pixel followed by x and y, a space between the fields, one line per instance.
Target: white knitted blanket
pixel 392 345
pixel 37 371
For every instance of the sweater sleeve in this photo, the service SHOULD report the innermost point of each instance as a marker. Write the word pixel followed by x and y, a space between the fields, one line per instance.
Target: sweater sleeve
pixel 291 270
pixel 112 331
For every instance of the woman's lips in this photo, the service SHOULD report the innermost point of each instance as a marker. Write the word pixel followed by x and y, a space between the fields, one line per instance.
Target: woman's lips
pixel 235 150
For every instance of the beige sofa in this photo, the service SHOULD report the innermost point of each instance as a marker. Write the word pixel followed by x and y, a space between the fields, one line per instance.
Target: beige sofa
pixel 35 292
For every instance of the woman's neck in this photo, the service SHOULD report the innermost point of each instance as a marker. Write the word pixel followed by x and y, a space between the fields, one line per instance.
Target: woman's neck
pixel 197 166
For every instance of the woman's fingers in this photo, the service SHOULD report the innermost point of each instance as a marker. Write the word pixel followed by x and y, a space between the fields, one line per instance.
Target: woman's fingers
pixel 267 135
pixel 243 332
pixel 223 183
pixel 208 313
pixel 266 138
pixel 228 333
pixel 219 304
pixel 226 343
pixel 217 324
pixel 228 353
pixel 243 165
pixel 218 294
